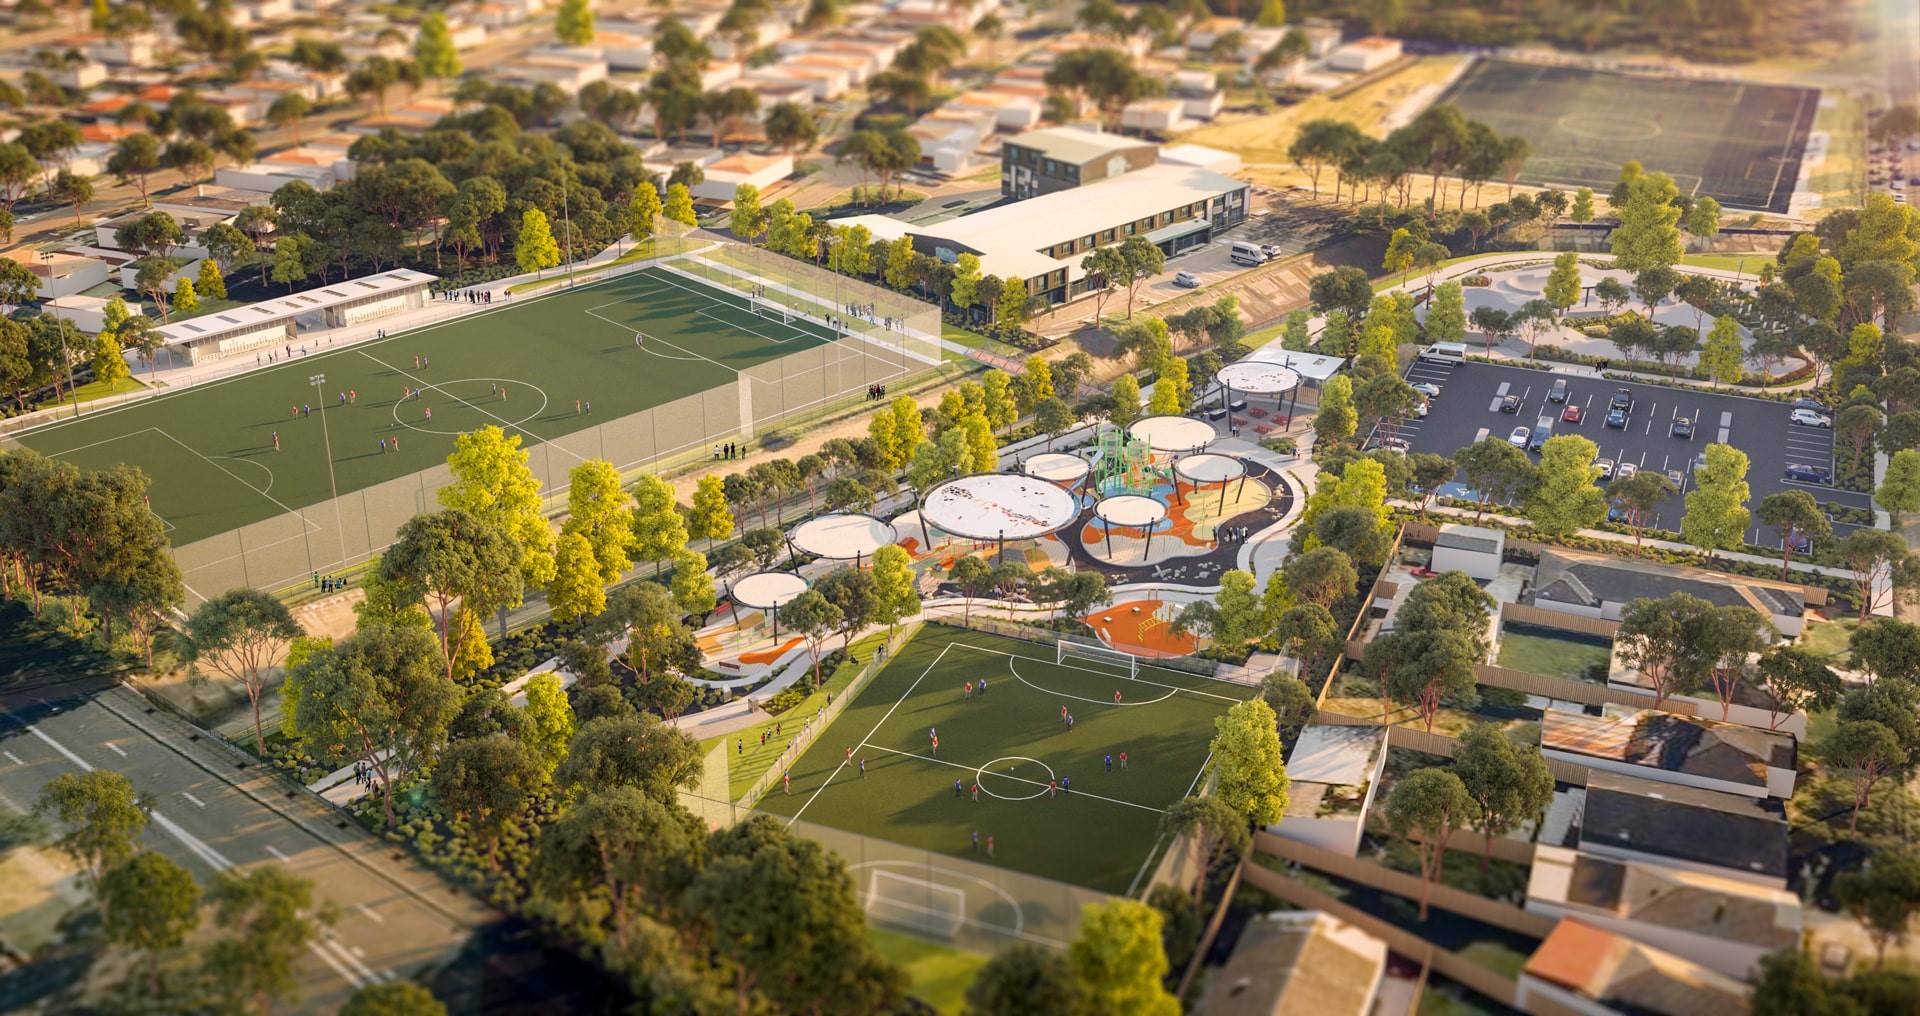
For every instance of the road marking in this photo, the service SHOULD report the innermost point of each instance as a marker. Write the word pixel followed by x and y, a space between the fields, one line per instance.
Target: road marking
pixel 275 851
pixel 116 749
pixel 85 766
pixel 11 757
pixel 189 796
pixel 338 968
pixel 335 946
pixel 369 911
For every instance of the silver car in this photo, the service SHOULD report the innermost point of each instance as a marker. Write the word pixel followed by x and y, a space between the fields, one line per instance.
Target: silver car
pixel 1606 468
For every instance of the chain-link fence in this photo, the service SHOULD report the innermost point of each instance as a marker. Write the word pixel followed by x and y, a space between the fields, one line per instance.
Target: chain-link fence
pixel 977 620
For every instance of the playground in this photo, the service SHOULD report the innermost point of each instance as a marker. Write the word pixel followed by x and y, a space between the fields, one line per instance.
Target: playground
pixel 1037 785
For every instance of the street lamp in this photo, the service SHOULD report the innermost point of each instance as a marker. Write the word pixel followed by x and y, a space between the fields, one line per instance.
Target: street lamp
pixel 338 524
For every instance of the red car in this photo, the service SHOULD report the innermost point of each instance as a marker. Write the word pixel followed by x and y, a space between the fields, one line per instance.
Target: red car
pixel 1572 415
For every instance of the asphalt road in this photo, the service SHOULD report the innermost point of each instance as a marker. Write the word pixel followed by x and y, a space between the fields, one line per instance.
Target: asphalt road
pixel 214 811
pixel 1467 409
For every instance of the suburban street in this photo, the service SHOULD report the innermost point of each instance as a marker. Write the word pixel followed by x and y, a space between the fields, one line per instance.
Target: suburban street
pixel 216 809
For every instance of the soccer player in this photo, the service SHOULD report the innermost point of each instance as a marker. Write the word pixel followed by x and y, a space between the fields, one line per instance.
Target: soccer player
pixel 983 687
pixel 1116 696
pixel 1109 762
pixel 786 781
pixel 1053 787
pixel 967 692
pixel 1123 760
pixel 976 793
pixel 639 341
pixel 1069 721
pixel 989 846
pixel 976 841
pixel 1066 784
pixel 863 769
pixel 276 440
pixel 956 788
pixel 1063 714
pixel 936 746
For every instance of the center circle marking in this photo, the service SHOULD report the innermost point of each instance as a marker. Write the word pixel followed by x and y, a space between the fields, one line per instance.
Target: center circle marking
pixel 473 403
pixel 980 776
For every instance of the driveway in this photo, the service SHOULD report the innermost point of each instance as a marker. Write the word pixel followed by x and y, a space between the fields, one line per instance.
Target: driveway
pixel 1468 409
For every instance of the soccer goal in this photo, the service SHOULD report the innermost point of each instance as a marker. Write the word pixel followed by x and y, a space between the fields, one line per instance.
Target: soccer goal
pixel 916 903
pixel 1104 658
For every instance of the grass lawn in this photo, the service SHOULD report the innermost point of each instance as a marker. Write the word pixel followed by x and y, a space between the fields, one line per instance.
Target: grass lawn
pixel 1551 653
pixel 1011 742
pixel 1829 639
pixel 210 448
pixel 870 195
pixel 744 767
pixel 974 340
pixel 1263 140
pixel 936 974
pixel 1749 263
pixel 95 390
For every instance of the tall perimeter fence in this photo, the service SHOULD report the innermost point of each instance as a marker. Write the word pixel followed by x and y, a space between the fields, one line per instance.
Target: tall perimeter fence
pixel 345 531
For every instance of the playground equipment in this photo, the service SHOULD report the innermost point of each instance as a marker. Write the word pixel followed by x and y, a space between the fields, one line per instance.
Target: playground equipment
pixel 1155 621
pixel 1123 464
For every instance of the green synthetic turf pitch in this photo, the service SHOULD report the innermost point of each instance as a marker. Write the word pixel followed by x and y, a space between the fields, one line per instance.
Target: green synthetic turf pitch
pixel 209 448
pixel 1737 142
pixel 1011 741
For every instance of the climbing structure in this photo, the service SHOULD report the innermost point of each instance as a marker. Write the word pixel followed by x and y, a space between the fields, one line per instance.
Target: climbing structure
pixel 1123 464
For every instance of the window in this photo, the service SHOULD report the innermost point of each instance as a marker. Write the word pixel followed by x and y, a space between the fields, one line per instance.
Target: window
pixel 1129 229
pixel 1088 241
pixel 1052 167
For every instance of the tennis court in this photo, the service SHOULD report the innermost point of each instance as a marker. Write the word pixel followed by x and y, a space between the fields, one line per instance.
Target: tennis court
pixel 1737 142
pixel 1012 742
pixel 548 368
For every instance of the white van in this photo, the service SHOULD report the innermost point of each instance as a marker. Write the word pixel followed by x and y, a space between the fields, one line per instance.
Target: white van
pixel 1445 352
pixel 1244 253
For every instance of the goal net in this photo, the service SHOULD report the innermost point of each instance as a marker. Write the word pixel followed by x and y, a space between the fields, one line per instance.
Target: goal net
pixel 916 903
pixel 1097 658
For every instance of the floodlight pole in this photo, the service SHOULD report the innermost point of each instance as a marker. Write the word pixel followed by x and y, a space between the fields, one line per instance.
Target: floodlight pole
pixel 339 524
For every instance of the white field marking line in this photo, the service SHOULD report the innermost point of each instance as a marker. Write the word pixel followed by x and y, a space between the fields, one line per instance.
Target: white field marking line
pixel 1202 772
pixel 1144 864
pixel 116 749
pixel 352 347
pixel 370 912
pixel 1063 666
pixel 876 729
pixel 504 423
pixel 654 339
pixel 1016 779
pixel 1022 678
pixel 800 333
pixel 271 478
pixel 737 327
pixel 275 851
pixel 189 796
pixel 284 507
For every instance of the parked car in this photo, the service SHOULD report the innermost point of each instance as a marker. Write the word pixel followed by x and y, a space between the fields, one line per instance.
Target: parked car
pixel 1677 478
pixel 1814 404
pixel 1518 438
pixel 1622 399
pixel 1605 466
pixel 1700 460
pixel 1809 474
pixel 1558 393
pixel 1573 414
pixel 1624 470
pixel 1809 418
pixel 1186 280
pixel 1392 444
pixel 1510 404
pixel 1420 409
pixel 1802 543
pixel 1682 427
pixel 1617 418
pixel 1271 250
pixel 1429 390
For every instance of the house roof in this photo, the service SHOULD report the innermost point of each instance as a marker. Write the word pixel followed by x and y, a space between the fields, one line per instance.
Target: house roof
pixel 1475 538
pixel 1593 579
pixel 1710 906
pixel 1670 742
pixel 1298 962
pixel 1076 145
pixel 1685 823
pixel 1623 974
pixel 1326 753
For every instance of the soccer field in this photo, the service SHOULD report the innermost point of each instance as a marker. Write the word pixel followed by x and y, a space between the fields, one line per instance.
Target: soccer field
pixel 545 368
pixel 1737 142
pixel 1012 742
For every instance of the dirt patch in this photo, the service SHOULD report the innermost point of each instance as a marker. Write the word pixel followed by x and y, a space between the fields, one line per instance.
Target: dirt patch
pixel 37 888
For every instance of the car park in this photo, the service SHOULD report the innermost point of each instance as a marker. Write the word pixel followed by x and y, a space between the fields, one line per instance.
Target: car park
pixel 1510 404
pixel 1558 393
pixel 1617 418
pixel 1519 436
pixel 1624 470
pixel 1186 280
pixel 1605 466
pixel 1573 414
pixel 1682 427
pixel 1809 418
pixel 1808 474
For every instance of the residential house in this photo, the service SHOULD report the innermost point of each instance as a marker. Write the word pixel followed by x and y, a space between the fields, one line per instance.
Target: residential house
pixel 1475 550
pixel 1630 819
pixel 1010 111
pixel 1723 924
pixel 725 174
pixel 950 140
pixel 1199 94
pixel 1364 55
pixel 1583 969
pixel 1671 748
pixel 1159 116
pixel 1298 962
pixel 568 70
pixel 1601 585
pixel 60 273
pixel 1334 773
